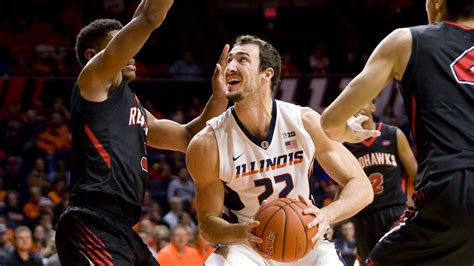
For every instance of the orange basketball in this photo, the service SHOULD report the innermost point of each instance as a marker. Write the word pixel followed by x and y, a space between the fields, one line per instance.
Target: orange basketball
pixel 283 230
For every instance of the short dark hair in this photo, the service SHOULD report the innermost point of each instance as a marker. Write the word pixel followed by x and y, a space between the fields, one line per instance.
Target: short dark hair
pixel 460 8
pixel 92 36
pixel 269 56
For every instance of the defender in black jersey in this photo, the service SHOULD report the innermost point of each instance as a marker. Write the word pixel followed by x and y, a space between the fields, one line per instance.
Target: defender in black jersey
pixel 390 165
pixel 435 66
pixel 110 131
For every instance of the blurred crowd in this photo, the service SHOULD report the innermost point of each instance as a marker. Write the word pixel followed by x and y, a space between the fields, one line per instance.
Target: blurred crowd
pixel 39 41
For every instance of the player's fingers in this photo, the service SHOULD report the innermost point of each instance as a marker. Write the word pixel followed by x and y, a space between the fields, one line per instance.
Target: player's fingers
pixel 224 54
pixel 361 118
pixel 217 70
pixel 317 238
pixel 250 225
pixel 317 220
pixel 373 133
pixel 305 200
pixel 253 238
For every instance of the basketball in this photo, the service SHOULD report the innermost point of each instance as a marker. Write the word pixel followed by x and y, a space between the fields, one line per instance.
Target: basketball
pixel 283 230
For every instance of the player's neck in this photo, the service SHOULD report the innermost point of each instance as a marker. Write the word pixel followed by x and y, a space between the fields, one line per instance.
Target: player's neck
pixel 256 115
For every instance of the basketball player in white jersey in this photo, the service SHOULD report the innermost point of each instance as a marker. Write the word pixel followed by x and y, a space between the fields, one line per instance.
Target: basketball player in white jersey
pixel 263 149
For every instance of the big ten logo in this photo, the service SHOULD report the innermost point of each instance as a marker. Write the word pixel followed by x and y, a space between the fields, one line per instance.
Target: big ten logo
pixel 290 134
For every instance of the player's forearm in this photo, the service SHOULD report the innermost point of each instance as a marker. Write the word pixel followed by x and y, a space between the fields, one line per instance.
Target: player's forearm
pixel 214 107
pixel 355 196
pixel 333 128
pixel 218 231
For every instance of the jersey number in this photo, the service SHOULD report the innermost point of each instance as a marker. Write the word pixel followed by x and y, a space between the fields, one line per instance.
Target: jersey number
pixel 268 185
pixel 376 179
pixel 463 67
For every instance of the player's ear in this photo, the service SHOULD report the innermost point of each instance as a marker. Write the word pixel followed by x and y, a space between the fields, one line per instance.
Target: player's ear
pixel 89 53
pixel 269 72
pixel 440 5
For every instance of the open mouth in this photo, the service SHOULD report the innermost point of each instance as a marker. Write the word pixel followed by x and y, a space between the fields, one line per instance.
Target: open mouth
pixel 231 81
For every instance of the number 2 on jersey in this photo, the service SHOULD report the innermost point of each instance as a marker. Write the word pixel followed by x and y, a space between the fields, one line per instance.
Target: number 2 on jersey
pixel 376 179
pixel 268 184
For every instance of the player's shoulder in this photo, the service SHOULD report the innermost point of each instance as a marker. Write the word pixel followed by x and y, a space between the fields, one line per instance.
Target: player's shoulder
pixel 203 138
pixel 220 120
pixel 202 145
pixel 307 113
pixel 400 36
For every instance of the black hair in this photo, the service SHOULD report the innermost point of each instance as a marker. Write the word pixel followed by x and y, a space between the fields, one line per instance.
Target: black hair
pixel 92 36
pixel 269 56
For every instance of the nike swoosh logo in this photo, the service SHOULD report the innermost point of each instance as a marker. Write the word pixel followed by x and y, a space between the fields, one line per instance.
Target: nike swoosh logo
pixel 235 158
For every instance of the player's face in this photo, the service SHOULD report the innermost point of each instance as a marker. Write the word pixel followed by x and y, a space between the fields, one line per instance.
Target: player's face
pixel 129 70
pixel 242 72
pixel 367 110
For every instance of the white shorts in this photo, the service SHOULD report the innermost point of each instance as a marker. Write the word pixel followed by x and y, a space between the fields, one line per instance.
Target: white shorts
pixel 241 254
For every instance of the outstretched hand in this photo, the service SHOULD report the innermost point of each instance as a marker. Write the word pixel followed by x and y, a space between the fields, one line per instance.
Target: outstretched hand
pixel 219 82
pixel 321 220
pixel 355 133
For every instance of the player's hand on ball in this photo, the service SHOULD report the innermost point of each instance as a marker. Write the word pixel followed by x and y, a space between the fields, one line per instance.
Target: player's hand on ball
pixel 321 220
pixel 248 228
pixel 355 133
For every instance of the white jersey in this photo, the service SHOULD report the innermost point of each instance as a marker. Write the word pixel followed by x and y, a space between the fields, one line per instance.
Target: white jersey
pixel 253 169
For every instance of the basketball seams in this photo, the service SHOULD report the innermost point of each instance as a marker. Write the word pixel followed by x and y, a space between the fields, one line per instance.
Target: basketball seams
pixel 267 222
pixel 302 223
pixel 279 226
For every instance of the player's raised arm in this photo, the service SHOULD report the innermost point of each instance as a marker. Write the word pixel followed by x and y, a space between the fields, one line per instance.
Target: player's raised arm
pixel 202 160
pixel 341 166
pixel 166 134
pixel 104 67
pixel 388 60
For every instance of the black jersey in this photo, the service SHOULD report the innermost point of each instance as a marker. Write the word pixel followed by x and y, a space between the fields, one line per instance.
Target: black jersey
pixel 109 151
pixel 381 163
pixel 438 90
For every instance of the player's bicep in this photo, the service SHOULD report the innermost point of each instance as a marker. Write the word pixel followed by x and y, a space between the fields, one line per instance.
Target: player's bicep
pixel 202 160
pixel 166 134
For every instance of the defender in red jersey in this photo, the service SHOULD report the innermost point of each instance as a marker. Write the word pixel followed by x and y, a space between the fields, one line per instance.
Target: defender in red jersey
pixel 434 64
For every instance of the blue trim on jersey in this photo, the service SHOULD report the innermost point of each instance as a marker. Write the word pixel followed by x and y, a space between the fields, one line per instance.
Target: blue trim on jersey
pixel 271 129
